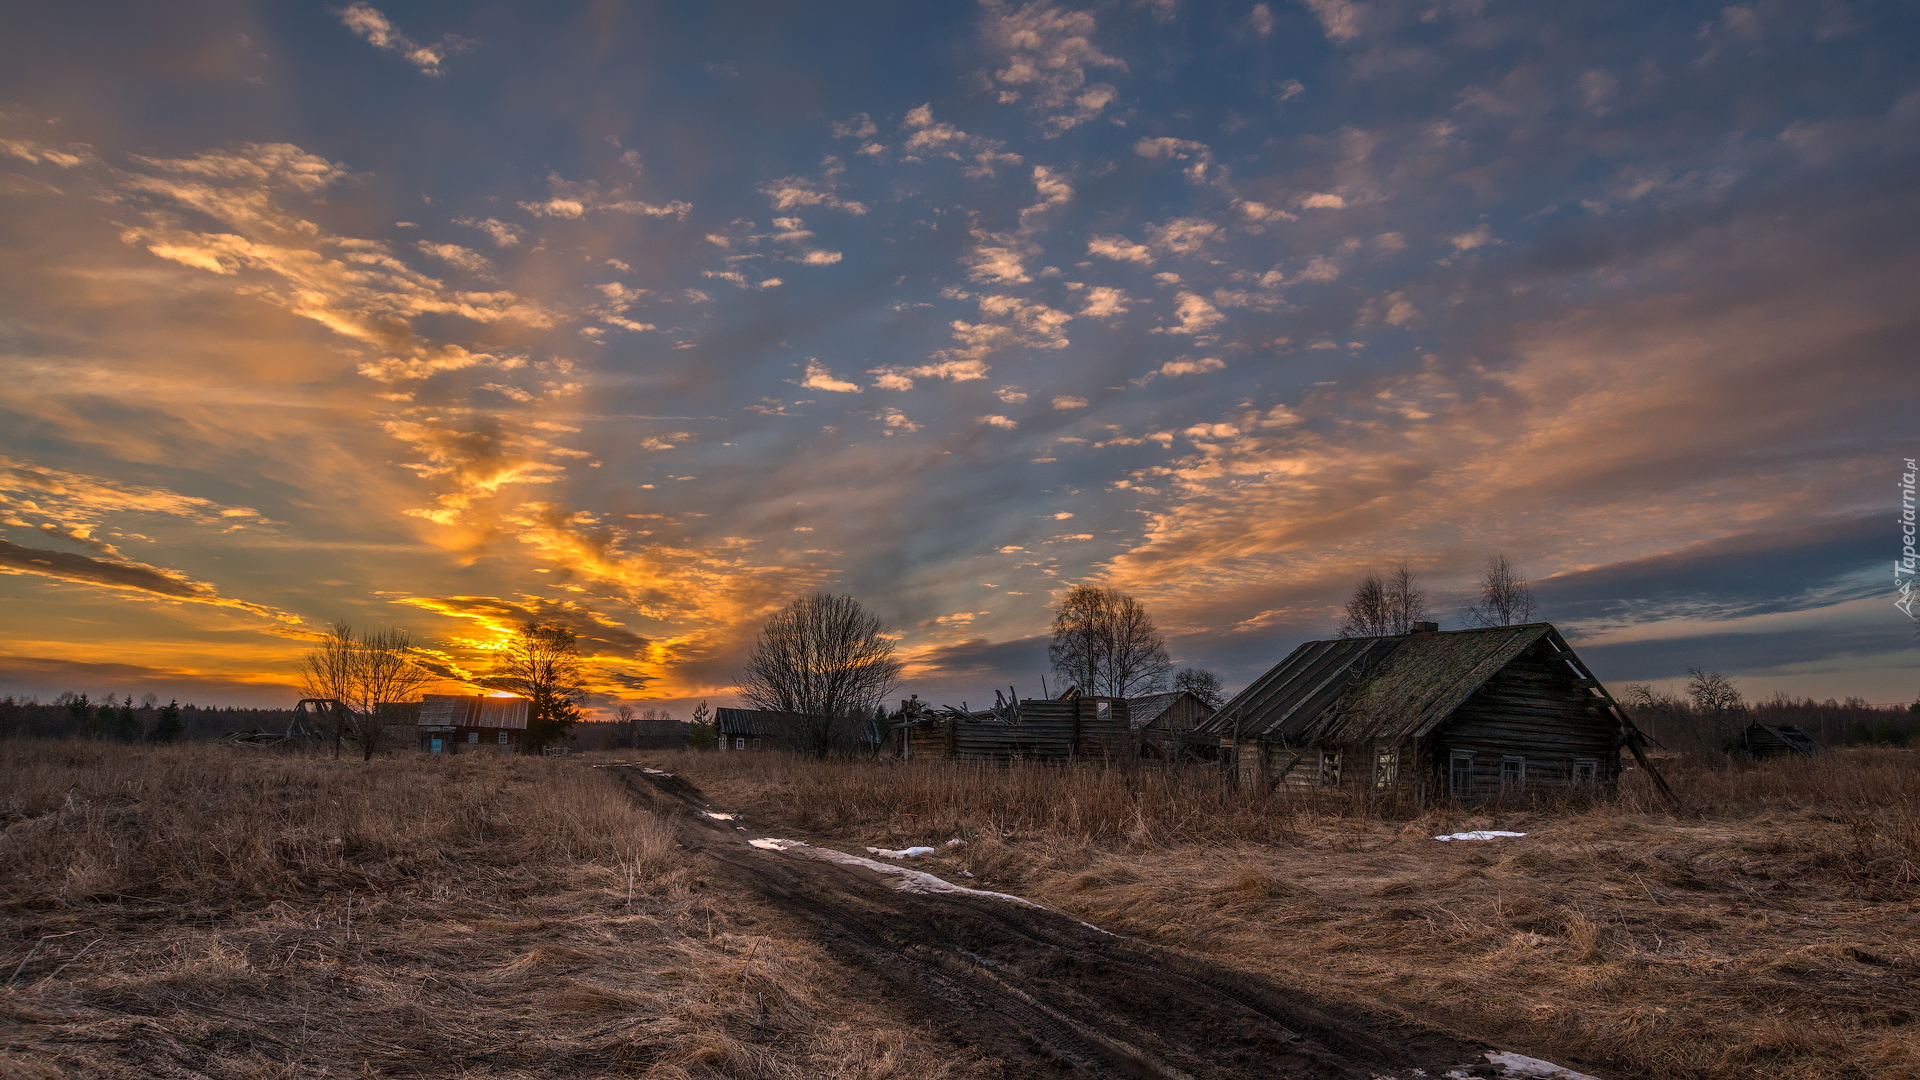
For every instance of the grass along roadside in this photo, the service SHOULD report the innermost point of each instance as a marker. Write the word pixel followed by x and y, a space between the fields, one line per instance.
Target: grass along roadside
pixel 1769 926
pixel 213 911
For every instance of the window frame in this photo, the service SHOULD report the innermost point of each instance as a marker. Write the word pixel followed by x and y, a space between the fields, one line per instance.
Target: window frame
pixel 1586 770
pixel 1456 759
pixel 1514 779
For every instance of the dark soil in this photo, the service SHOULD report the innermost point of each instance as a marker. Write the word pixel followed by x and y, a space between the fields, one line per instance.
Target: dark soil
pixel 1043 994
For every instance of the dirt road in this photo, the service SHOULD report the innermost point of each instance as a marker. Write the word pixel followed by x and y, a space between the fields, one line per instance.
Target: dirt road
pixel 1044 994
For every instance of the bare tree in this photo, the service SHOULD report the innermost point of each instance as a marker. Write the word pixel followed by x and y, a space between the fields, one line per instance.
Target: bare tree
pixel 542 664
pixel 1505 596
pixel 1717 702
pixel 327 672
pixel 1105 643
pixel 826 663
pixel 1204 684
pixel 364 672
pixel 1380 607
pixel 1367 612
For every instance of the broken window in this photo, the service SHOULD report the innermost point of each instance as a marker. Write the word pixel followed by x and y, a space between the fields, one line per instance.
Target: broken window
pixel 1513 773
pixel 1386 766
pixel 1460 773
pixel 1330 769
pixel 1586 770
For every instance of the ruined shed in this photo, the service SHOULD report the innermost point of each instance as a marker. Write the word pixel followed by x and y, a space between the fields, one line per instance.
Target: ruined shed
pixel 1467 714
pixel 1766 741
pixel 1045 729
pixel 1162 721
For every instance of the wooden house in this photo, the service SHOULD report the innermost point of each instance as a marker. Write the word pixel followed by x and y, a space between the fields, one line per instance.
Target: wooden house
pixel 1162 721
pixel 746 729
pixel 1466 714
pixel 460 723
pixel 1766 741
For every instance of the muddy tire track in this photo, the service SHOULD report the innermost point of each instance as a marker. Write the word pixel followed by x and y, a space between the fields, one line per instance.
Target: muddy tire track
pixel 1045 994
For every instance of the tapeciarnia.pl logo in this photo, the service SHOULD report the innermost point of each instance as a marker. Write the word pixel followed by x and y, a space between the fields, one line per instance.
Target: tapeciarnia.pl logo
pixel 1903 567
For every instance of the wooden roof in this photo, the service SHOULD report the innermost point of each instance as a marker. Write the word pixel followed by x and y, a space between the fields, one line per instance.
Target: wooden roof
pixel 749 722
pixel 1147 708
pixel 1353 690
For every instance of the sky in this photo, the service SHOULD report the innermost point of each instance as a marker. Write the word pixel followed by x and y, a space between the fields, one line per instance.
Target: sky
pixel 647 318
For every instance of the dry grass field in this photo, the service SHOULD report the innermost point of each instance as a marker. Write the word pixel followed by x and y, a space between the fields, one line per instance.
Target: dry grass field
pixel 227 912
pixel 224 912
pixel 1769 926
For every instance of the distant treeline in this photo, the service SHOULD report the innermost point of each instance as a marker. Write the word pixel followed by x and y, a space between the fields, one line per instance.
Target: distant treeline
pixel 121 718
pixel 1680 724
pixel 76 716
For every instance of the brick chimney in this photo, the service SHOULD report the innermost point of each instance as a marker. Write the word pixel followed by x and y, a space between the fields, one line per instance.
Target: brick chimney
pixel 1423 629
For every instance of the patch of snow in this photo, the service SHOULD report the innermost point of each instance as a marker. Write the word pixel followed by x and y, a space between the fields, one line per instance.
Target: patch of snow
pixel 1522 1067
pixel 955 842
pixel 655 772
pixel 911 881
pixel 903 853
pixel 718 816
pixel 1479 834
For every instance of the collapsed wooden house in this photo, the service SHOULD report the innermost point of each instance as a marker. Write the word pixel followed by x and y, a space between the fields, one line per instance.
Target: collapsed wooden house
pixel 461 723
pixel 1161 721
pixel 1467 714
pixel 1765 741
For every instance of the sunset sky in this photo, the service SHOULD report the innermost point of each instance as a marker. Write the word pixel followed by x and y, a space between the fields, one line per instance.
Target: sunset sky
pixel 646 318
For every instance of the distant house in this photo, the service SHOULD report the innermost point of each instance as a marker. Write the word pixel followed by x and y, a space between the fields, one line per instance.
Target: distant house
pixel 746 729
pixel 1467 714
pixel 1069 727
pixel 459 723
pixel 1775 740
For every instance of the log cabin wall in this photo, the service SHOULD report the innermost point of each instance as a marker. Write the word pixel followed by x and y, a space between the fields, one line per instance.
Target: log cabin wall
pixel 1533 725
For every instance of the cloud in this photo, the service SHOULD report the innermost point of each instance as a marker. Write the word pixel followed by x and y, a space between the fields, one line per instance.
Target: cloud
pixel 999 259
pixel 37 154
pixel 378 30
pixel 1120 249
pixel 1467 241
pixel 1260 20
pixel 901 377
pixel 1179 150
pixel 1187 365
pixel 454 255
pixel 504 235
pixel 574 201
pixel 1067 402
pixel 1323 200
pixel 897 422
pixel 1104 302
pixel 352 286
pixel 1183 236
pixel 1340 18
pixel 819 378
pixel 151 581
pixel 995 420
pixel 1197 316
pixel 1048 51
pixel 789 192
